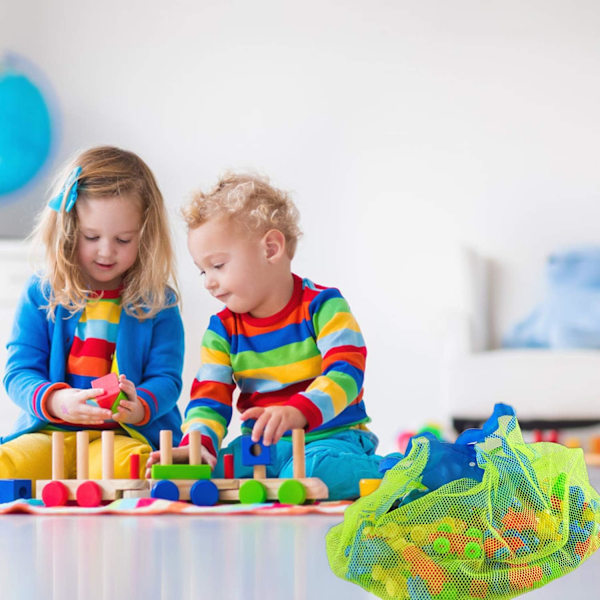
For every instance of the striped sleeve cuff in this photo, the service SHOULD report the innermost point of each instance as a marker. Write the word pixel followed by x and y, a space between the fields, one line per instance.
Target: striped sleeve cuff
pixel 40 401
pixel 308 409
pixel 206 442
pixel 149 401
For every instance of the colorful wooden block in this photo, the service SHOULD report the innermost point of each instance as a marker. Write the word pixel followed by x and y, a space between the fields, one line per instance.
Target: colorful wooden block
pixel 112 395
pixel 255 453
pixel 14 489
pixel 181 471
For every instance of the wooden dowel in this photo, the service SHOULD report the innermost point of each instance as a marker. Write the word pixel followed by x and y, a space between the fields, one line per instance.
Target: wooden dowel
pixel 298 453
pixel 166 447
pixel 58 455
pixel 108 455
pixel 83 464
pixel 195 447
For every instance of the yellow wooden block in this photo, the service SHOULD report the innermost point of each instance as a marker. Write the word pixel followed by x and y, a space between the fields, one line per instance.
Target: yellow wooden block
pixel 366 486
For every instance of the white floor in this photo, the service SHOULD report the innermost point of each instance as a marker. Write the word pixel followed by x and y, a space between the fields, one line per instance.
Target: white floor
pixel 190 558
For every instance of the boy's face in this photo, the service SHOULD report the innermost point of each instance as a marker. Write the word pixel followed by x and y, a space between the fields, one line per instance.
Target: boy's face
pixel 233 263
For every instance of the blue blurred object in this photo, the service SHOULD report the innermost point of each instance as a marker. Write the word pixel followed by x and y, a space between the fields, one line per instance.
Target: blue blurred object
pixel 569 316
pixel 449 461
pixel 25 130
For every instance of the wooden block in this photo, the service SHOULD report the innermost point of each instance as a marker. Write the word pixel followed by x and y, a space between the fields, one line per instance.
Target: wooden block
pixel 112 395
pixel 134 466
pixel 228 466
pixel 181 471
pixel 366 486
pixel 14 489
pixel 255 453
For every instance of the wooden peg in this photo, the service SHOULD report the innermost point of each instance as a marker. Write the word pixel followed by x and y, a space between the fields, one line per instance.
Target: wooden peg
pixel 166 447
pixel 83 464
pixel 195 447
pixel 108 455
pixel 58 455
pixel 298 453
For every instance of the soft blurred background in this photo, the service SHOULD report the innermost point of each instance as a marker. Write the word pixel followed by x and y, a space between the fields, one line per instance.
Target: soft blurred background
pixel 404 130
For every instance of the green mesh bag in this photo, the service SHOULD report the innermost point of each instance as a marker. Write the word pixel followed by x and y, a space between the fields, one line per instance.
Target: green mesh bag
pixel 516 517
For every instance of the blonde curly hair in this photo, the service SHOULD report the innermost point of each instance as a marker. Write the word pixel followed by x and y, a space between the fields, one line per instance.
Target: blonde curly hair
pixel 251 202
pixel 150 284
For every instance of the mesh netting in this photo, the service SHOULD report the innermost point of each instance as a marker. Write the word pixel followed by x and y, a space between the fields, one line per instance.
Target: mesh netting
pixel 526 516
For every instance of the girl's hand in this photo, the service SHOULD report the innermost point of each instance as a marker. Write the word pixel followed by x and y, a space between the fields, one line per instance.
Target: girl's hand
pixel 130 411
pixel 70 405
pixel 273 421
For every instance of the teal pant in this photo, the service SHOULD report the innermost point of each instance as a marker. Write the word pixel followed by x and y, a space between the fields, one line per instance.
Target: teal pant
pixel 341 461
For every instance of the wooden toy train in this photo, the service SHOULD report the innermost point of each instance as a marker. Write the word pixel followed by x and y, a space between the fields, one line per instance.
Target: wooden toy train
pixel 188 482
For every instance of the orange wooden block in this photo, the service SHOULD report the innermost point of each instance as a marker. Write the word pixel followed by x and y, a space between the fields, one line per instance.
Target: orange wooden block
pixel 422 566
pixel 525 578
pixel 519 520
pixel 491 545
pixel 478 589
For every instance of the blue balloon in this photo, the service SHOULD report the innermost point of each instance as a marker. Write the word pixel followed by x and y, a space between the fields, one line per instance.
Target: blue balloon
pixel 25 131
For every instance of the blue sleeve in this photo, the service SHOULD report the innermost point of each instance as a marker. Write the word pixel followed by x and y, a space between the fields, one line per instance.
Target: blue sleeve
pixel 26 377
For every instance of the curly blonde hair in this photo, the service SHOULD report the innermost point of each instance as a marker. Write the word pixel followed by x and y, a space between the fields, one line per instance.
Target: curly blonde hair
pixel 250 201
pixel 150 284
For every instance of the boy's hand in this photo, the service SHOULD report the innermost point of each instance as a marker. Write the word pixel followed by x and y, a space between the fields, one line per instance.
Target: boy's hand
pixel 273 421
pixel 181 454
pixel 70 405
pixel 130 411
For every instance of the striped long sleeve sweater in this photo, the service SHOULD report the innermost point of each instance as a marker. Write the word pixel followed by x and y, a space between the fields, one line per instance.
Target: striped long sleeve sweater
pixel 310 355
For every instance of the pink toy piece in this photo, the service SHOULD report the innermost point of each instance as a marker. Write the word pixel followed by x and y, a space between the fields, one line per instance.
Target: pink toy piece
pixel 55 493
pixel 110 384
pixel 89 494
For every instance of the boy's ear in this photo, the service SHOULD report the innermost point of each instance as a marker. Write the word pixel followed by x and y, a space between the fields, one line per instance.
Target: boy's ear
pixel 274 244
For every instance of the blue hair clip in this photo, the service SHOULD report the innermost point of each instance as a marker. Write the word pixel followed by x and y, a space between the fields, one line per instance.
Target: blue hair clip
pixel 70 184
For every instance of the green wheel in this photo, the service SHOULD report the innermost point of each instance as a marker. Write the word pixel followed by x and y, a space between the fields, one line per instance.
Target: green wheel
pixel 252 492
pixel 441 545
pixel 472 550
pixel 291 492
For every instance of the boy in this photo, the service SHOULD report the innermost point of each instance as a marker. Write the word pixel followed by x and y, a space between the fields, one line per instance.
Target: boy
pixel 292 347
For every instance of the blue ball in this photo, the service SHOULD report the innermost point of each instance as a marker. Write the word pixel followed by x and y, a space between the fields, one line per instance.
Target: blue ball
pixel 25 131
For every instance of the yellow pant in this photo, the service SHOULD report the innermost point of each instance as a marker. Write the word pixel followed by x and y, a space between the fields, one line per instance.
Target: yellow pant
pixel 30 456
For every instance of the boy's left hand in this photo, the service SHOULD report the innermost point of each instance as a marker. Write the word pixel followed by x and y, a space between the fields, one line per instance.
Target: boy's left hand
pixel 273 421
pixel 130 411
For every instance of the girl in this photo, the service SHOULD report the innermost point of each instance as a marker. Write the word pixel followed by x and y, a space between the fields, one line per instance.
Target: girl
pixel 102 305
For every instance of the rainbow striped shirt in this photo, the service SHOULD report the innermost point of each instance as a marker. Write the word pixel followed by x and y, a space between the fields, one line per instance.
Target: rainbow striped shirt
pixel 94 342
pixel 310 355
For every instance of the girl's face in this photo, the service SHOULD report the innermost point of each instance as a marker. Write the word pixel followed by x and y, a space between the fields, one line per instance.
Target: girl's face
pixel 109 237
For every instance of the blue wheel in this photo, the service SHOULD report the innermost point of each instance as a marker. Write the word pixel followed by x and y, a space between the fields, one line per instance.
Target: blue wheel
pixel 165 489
pixel 204 493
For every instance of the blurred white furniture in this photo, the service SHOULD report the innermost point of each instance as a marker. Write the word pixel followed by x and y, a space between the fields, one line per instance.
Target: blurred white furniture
pixel 15 269
pixel 549 389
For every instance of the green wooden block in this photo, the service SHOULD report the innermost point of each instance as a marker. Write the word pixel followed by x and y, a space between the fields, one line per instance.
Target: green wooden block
pixel 181 471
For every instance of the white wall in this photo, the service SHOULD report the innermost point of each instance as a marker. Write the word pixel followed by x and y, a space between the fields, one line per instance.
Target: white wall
pixel 402 128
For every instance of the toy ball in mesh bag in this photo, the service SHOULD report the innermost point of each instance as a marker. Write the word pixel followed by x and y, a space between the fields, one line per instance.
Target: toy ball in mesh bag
pixel 486 517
